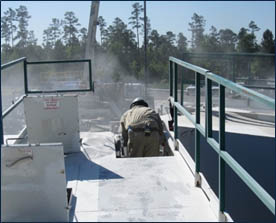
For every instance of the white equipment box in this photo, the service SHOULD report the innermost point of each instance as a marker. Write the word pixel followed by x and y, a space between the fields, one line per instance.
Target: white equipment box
pixel 33 184
pixel 53 118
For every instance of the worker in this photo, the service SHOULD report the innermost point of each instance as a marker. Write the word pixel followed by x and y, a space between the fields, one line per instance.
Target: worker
pixel 142 130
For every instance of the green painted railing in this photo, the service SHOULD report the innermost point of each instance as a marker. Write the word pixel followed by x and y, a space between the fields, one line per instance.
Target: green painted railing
pixel 204 55
pixel 233 59
pixel 219 147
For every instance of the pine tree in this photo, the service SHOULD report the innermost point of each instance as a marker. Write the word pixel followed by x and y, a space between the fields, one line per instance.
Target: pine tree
pixel 47 43
pixel 268 42
pixel 10 15
pixel 197 28
pixel 31 40
pixel 102 25
pixel 181 42
pixel 55 28
pixel 70 28
pixel 83 35
pixel 143 28
pixel 253 27
pixel 5 31
pixel 22 16
pixel 227 40
pixel 135 19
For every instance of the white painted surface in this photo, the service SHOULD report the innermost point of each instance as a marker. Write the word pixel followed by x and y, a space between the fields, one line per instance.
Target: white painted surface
pixel 131 189
pixel 213 199
pixel 33 189
pixel 52 119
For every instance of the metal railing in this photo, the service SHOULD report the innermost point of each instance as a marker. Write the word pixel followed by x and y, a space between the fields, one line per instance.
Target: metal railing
pixel 236 61
pixel 219 147
pixel 217 55
pixel 7 111
pixel 12 63
pixel 27 91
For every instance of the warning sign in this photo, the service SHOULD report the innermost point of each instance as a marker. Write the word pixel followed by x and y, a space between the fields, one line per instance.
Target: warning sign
pixel 51 103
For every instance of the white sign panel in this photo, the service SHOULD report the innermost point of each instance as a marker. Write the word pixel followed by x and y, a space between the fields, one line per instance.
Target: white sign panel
pixel 52 119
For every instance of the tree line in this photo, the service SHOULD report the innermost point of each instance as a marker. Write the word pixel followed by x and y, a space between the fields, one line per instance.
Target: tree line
pixel 66 39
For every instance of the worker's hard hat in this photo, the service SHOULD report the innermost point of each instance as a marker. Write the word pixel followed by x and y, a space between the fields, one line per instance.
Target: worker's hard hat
pixel 139 101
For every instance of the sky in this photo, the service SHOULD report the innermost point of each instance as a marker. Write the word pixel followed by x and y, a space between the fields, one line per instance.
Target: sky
pixel 164 15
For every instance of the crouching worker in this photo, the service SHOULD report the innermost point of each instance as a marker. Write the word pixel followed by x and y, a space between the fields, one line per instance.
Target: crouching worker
pixel 142 130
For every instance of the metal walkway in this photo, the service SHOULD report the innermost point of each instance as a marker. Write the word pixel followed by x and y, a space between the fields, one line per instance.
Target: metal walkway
pixel 131 189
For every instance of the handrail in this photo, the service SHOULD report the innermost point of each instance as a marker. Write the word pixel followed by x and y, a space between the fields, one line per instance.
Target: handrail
pixel 11 63
pixel 242 90
pixel 3 115
pixel 3 67
pixel 58 61
pixel 226 83
pixel 13 106
pixel 231 54
pixel 259 87
pixel 219 147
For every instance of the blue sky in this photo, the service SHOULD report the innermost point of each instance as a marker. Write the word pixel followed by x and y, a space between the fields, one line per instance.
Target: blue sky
pixel 164 15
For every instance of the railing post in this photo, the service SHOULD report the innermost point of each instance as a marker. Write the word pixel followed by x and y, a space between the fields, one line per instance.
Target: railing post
pixel 208 108
pixel 182 90
pixel 233 69
pixel 171 78
pixel 197 133
pixel 25 77
pixel 221 148
pixel 90 75
pixel 1 121
pixel 175 109
pixel 170 122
